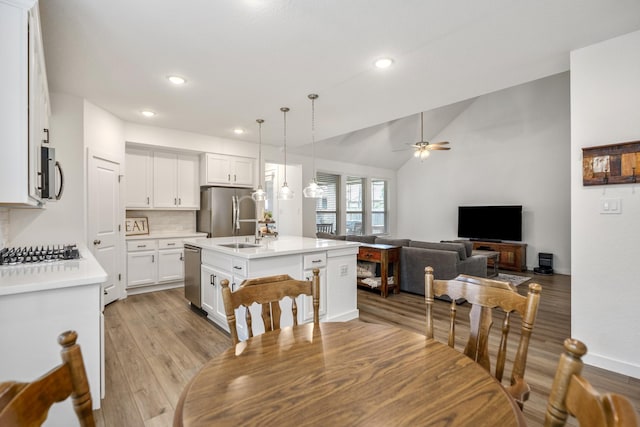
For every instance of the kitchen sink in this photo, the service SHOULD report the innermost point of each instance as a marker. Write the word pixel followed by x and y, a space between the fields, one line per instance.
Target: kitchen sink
pixel 239 245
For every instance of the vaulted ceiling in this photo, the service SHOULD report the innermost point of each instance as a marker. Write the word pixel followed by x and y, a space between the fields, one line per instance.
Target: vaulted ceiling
pixel 244 59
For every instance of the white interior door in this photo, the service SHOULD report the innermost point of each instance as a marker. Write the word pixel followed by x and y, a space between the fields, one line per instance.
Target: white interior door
pixel 103 221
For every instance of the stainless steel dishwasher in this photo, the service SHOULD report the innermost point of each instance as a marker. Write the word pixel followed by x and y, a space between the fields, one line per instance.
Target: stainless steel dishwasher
pixel 192 275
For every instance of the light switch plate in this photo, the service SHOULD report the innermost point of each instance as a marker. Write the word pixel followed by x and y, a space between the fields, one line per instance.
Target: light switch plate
pixel 610 206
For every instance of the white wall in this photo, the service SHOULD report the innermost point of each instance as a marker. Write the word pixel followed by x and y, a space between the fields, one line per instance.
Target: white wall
pixel 507 147
pixel 61 221
pixel 4 227
pixel 605 88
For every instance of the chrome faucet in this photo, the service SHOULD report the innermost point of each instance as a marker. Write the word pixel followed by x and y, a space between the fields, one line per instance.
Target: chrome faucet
pixel 236 216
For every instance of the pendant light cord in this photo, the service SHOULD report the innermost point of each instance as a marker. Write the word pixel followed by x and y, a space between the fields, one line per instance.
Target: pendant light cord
pixel 284 111
pixel 313 133
pixel 261 174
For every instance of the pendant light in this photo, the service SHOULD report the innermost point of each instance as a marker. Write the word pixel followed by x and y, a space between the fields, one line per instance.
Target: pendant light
pixel 259 195
pixel 285 192
pixel 313 190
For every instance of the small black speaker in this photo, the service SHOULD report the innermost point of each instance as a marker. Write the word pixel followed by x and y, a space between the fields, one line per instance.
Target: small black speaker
pixel 545 264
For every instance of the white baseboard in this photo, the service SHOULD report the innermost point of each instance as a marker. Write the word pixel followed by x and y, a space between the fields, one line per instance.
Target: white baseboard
pixel 619 366
pixel 152 288
pixel 343 317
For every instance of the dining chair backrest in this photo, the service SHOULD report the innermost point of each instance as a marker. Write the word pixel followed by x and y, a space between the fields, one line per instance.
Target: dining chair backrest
pixel 324 228
pixel 484 295
pixel 268 292
pixel 571 394
pixel 27 404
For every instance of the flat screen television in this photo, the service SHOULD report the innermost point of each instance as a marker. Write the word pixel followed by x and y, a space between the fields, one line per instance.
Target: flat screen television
pixel 490 222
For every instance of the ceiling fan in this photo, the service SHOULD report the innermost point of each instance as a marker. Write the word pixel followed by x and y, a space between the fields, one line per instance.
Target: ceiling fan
pixel 423 148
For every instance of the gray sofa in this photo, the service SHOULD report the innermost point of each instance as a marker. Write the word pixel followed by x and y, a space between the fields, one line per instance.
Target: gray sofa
pixel 448 259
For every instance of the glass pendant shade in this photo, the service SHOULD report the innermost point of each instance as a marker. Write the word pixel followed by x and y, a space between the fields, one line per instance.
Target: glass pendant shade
pixel 313 190
pixel 285 193
pixel 259 195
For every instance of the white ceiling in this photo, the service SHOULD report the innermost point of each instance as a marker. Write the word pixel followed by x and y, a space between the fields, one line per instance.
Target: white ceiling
pixel 244 59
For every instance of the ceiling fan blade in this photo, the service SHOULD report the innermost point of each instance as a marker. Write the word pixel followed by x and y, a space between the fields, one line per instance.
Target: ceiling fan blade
pixel 437 147
pixel 439 143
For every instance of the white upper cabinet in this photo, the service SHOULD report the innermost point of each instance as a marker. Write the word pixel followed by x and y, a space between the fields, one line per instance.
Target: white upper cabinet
pixel 24 103
pixel 232 171
pixel 161 180
pixel 139 178
pixel 175 181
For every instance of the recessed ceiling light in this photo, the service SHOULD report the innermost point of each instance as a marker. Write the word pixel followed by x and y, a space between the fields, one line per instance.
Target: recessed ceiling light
pixel 148 113
pixel 177 80
pixel 383 63
pixel 238 131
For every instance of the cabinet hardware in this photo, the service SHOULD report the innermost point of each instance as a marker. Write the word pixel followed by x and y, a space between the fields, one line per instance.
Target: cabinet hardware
pixel 175 201
pixel 181 257
pixel 235 179
pixel 46 140
pixel 237 268
pixel 179 201
pixel 212 279
pixel 171 244
pixel 140 246
pixel 228 177
pixel 104 292
pixel 316 261
pixel 153 258
pixel 96 242
pixel 147 199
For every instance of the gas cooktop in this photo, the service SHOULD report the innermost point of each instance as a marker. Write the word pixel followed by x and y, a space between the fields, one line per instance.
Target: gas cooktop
pixel 38 254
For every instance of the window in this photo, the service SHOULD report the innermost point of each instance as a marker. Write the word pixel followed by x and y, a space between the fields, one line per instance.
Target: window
pixel 355 205
pixel 327 205
pixel 379 215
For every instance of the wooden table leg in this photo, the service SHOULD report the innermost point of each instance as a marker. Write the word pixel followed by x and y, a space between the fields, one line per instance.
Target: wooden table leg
pixel 384 273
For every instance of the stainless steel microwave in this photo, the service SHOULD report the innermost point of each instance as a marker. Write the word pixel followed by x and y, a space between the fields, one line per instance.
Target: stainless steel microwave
pixel 50 170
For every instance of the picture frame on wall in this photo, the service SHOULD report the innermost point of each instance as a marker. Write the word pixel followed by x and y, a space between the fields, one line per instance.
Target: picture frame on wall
pixel 611 164
pixel 136 226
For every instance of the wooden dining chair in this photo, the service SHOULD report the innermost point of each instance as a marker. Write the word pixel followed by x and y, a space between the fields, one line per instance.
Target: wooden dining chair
pixel 571 394
pixel 268 291
pixel 27 404
pixel 324 228
pixel 484 295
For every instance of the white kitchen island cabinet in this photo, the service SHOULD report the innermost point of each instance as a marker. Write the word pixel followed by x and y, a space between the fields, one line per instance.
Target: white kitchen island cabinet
pixel 292 255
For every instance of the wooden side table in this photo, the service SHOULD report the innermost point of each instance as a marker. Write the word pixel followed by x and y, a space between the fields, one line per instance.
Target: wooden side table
pixel 492 256
pixel 383 255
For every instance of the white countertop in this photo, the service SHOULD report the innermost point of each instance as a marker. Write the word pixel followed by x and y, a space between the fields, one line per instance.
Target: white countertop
pixel 22 278
pixel 172 235
pixel 283 245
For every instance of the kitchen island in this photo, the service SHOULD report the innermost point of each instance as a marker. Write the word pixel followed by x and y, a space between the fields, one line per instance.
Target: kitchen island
pixel 38 302
pixel 241 258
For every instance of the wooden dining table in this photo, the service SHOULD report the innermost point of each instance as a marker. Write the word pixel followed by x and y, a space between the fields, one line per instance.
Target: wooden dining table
pixel 344 374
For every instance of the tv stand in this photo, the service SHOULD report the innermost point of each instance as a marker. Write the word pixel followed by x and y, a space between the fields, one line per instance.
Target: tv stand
pixel 513 256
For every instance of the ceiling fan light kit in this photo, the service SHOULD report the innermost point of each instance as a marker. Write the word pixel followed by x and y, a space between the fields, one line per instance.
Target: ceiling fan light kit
pixel 313 190
pixel 423 148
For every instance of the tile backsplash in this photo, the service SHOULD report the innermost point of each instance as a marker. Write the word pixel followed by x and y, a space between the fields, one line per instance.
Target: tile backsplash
pixel 167 221
pixel 4 227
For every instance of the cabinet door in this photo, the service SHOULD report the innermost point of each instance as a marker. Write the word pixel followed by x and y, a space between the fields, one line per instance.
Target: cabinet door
pixel 170 265
pixel 188 188
pixel 138 178
pixel 165 180
pixel 141 268
pixel 216 169
pixel 243 172
pixel 212 302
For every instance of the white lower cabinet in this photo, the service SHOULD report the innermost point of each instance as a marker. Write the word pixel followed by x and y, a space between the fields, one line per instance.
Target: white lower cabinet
pixel 152 262
pixel 212 301
pixel 310 262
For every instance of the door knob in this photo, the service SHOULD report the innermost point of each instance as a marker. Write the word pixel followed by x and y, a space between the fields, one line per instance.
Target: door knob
pixel 96 242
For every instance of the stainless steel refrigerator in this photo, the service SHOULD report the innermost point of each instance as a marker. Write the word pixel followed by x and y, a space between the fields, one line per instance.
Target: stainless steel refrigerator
pixel 221 206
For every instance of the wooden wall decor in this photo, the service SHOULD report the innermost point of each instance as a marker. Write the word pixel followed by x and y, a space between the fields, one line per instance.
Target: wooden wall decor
pixel 611 164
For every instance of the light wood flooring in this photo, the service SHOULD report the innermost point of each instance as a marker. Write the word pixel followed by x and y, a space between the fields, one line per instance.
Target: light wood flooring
pixel 154 344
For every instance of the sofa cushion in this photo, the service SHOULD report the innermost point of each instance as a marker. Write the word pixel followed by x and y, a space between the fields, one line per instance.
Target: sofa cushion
pixel 453 247
pixel 392 242
pixel 362 239
pixel 323 235
pixel 468 245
